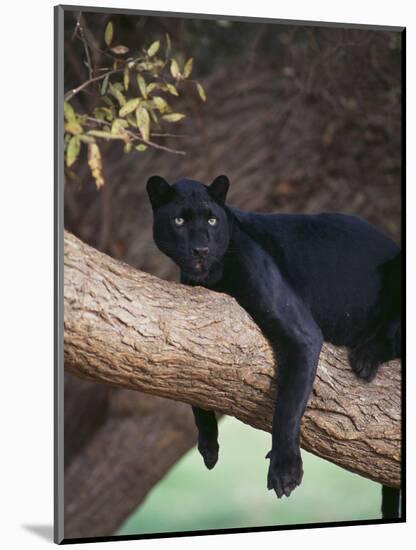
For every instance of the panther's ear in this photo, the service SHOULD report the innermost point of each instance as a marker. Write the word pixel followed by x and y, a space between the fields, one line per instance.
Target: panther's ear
pixel 218 188
pixel 159 191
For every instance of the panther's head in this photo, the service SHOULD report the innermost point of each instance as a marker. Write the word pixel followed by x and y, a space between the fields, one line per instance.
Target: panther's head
pixel 190 223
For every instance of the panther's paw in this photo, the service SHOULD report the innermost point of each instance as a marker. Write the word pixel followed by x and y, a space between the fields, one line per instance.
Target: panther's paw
pixel 363 363
pixel 365 370
pixel 209 452
pixel 285 473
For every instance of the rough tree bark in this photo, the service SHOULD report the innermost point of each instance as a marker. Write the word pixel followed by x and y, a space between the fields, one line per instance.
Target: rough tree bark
pixel 130 329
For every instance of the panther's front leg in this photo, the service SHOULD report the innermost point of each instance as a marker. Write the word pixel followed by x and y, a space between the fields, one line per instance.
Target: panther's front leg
pixel 206 422
pixel 296 340
pixel 296 363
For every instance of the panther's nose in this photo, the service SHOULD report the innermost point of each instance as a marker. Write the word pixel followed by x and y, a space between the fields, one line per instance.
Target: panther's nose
pixel 200 251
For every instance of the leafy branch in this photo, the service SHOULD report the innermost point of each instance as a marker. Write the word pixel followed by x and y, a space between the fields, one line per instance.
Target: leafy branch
pixel 133 100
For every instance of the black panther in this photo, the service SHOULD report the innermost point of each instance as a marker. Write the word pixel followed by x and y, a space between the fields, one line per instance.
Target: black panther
pixel 303 278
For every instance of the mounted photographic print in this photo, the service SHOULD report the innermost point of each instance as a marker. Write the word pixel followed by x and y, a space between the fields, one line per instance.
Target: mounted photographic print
pixel 228 229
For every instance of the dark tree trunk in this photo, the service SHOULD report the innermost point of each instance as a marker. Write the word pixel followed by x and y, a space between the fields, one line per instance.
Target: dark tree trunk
pixel 118 444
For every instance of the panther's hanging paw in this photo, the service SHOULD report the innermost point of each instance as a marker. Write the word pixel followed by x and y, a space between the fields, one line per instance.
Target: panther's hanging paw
pixel 209 452
pixel 285 473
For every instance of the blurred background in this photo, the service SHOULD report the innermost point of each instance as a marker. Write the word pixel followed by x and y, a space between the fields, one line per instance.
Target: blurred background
pixel 301 119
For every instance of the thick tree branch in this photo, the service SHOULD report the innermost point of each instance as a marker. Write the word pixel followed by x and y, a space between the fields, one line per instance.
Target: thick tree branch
pixel 130 329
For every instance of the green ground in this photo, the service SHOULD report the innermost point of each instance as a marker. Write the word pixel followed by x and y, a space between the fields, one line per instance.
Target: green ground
pixel 234 493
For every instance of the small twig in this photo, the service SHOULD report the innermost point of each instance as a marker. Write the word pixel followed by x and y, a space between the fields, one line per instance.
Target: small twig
pixel 169 135
pixel 70 93
pixel 76 26
pixel 139 138
pixel 155 145
pixel 79 27
pixel 103 52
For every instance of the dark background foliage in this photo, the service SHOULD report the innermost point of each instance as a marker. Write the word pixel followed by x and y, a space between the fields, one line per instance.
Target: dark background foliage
pixel 299 118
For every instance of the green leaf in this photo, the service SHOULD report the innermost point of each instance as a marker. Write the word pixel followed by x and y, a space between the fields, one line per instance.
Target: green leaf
pixel 148 104
pixel 174 69
pixel 69 112
pixel 141 147
pixel 73 127
pixel 161 104
pixel 104 85
pixel 114 88
pixel 126 78
pixel 141 83
pixel 150 87
pixel 143 122
pixel 118 126
pixel 188 67
pixel 109 114
pixel 107 100
pixel 171 89
pixel 108 34
pixel 154 48
pixel 201 91
pixel 95 164
pixel 168 45
pixel 157 67
pixel 127 147
pixel 72 152
pixel 173 117
pixel 130 106
pixel 120 98
pixel 151 66
pixel 154 116
pixel 86 139
pixel 99 113
pixel 120 49
pixel 103 134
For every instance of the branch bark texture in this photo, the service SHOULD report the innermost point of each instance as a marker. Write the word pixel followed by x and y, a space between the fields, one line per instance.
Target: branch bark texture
pixel 133 330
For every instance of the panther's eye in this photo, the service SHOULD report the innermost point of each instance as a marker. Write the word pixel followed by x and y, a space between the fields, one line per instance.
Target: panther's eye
pixel 179 221
pixel 212 221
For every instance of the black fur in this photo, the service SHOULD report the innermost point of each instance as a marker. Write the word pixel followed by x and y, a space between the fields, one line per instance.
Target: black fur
pixel 303 278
